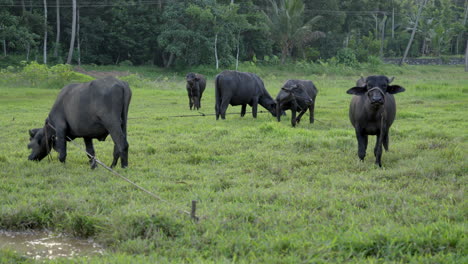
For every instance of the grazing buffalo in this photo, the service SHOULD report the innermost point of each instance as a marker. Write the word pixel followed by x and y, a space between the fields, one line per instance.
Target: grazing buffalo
pixel 372 112
pixel 89 110
pixel 241 88
pixel 297 95
pixel 196 84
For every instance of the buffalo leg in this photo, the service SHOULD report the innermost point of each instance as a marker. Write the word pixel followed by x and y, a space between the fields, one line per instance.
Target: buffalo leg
pixel 378 150
pixel 217 109
pixel 298 118
pixel 293 116
pixel 61 146
pixel 196 101
pixel 190 102
pixel 278 112
pixel 90 152
pixel 243 110
pixel 362 144
pixel 199 100
pixel 385 141
pixel 223 107
pixel 254 108
pixel 120 146
pixel 311 113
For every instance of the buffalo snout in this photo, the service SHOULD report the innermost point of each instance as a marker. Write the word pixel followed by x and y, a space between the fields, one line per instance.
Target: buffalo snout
pixel 376 96
pixel 377 100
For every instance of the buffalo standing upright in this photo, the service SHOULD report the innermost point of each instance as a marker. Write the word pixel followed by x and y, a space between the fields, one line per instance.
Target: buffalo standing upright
pixel 297 95
pixel 196 84
pixel 372 112
pixel 89 110
pixel 241 88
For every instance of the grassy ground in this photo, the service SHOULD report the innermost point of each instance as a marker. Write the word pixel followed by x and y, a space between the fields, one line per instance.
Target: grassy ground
pixel 266 192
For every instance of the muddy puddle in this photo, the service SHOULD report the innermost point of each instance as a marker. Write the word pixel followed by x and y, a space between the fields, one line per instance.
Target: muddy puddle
pixel 46 245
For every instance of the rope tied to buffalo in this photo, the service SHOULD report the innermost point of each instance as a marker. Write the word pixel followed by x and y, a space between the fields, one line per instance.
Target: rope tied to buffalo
pixel 191 214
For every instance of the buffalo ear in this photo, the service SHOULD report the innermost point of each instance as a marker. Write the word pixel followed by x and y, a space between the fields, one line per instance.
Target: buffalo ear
pixel 33 132
pixel 393 89
pixel 362 81
pixel 357 90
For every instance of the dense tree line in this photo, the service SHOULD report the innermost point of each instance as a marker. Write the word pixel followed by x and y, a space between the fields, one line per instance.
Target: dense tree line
pixel 222 32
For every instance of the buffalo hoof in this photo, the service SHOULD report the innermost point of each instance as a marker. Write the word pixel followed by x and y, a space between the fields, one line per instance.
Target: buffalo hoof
pixel 93 164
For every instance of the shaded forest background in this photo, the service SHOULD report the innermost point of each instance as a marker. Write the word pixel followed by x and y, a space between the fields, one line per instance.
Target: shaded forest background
pixel 185 33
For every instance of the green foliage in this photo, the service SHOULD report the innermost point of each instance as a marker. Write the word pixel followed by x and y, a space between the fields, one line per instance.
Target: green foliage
pixel 365 47
pixel 16 31
pixel 34 74
pixel 346 56
pixel 374 61
pixel 273 60
pixel 312 54
pixel 445 59
pixel 126 63
pixel 182 33
pixel 10 257
pixel 81 225
pixel 288 27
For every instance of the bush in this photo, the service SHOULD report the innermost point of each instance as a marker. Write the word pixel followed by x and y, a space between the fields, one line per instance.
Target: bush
pixel 273 60
pixel 250 66
pixel 126 63
pixel 364 47
pixel 347 57
pixel 34 74
pixel 312 54
pixel 374 61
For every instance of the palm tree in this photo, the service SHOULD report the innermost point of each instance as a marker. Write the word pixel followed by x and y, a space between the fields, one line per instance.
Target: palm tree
pixel 287 26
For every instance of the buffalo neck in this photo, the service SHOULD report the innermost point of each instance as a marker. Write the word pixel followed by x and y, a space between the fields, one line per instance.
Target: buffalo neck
pixel 371 112
pixel 266 101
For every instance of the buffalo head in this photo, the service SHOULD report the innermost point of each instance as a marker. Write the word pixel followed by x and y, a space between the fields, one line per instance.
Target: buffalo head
pixel 40 143
pixel 191 78
pixel 375 88
pixel 294 93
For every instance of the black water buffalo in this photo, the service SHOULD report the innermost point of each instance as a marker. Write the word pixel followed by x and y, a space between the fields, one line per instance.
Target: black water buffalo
pixel 297 95
pixel 89 110
pixel 241 88
pixel 196 84
pixel 372 112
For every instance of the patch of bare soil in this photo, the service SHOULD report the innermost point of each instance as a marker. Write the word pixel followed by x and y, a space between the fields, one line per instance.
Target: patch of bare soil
pixel 101 74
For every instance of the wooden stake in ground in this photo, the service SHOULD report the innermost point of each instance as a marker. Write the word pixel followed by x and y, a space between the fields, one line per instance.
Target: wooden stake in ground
pixel 194 211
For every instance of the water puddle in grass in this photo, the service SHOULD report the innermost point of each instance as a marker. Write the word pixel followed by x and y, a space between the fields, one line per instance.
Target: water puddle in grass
pixel 45 245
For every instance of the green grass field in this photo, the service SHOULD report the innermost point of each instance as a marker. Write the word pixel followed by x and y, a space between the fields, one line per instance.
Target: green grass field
pixel 266 192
